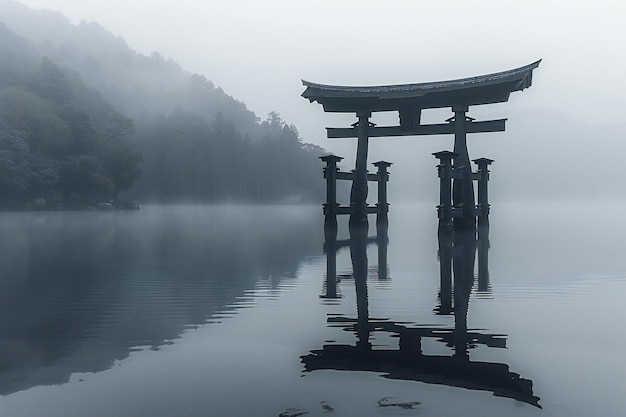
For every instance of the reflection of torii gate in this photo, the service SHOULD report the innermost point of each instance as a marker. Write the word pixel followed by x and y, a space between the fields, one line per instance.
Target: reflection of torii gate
pixel 408 361
pixel 409 100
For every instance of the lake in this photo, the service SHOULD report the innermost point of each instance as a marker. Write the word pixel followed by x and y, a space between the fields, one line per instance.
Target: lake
pixel 247 311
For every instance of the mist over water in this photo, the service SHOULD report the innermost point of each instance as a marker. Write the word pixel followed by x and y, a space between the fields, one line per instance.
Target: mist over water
pixel 85 289
pixel 190 309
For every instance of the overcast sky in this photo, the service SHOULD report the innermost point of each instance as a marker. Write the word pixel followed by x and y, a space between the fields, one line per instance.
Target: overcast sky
pixel 259 50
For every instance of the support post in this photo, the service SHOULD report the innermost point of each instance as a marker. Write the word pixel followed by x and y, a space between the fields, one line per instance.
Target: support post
pixel 330 173
pixel 383 178
pixel 444 171
pixel 358 194
pixel 483 196
pixel 463 188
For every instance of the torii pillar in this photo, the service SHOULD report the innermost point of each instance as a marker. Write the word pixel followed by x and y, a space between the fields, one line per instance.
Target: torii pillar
pixel 462 188
pixel 358 193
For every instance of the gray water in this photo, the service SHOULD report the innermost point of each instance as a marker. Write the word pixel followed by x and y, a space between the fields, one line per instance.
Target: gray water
pixel 227 310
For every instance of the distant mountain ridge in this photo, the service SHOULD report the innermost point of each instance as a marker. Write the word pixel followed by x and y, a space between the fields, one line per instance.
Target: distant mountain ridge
pixel 125 77
pixel 198 143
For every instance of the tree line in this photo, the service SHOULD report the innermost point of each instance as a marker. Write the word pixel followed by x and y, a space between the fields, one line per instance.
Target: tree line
pixel 61 144
pixel 187 158
pixel 67 139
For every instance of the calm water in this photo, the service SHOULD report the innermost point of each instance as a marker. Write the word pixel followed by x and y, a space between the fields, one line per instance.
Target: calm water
pixel 215 311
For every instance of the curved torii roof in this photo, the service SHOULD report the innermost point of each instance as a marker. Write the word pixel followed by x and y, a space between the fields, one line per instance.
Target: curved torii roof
pixel 482 89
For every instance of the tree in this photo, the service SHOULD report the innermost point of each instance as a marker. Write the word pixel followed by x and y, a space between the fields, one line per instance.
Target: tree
pixel 121 163
pixel 84 181
pixel 15 168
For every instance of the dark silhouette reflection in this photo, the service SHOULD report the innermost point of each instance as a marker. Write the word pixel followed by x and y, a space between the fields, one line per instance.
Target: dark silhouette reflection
pixel 332 246
pixel 462 247
pixel 483 286
pixel 79 291
pixel 457 251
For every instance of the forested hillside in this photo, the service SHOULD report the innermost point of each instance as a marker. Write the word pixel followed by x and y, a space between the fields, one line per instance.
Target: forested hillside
pixel 61 144
pixel 85 120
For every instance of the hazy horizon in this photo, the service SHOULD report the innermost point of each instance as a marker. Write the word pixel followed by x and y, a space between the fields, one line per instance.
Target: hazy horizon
pixel 259 51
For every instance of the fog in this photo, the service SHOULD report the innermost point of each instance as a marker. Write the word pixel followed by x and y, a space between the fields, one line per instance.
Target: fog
pixel 104 261
pixel 200 305
pixel 259 51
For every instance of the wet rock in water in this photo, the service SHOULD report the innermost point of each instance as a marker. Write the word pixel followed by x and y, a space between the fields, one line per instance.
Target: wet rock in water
pixel 293 412
pixel 126 205
pixel 327 408
pixel 407 405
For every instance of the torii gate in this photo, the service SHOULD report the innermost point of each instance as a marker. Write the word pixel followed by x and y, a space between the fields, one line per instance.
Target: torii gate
pixel 409 100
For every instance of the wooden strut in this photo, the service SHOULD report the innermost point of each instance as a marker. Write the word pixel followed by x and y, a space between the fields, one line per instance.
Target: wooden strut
pixel 360 209
pixel 485 126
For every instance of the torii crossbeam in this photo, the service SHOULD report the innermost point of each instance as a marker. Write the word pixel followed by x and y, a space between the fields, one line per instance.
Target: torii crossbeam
pixel 409 100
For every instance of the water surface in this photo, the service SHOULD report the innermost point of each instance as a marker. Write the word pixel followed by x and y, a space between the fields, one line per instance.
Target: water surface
pixel 229 310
